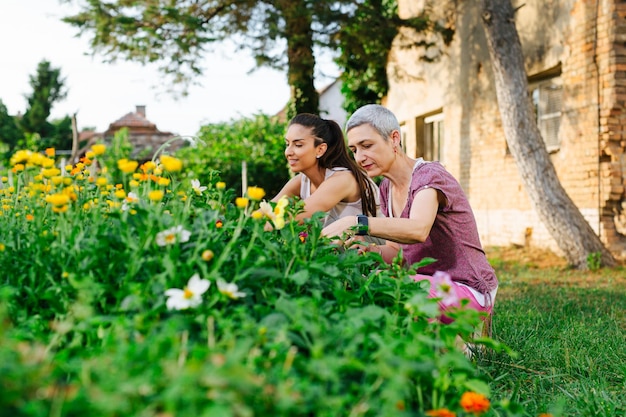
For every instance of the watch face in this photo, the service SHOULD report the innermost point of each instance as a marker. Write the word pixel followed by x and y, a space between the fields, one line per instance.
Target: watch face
pixel 363 225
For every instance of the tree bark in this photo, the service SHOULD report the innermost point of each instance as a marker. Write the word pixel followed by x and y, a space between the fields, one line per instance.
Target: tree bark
pixel 555 208
pixel 300 57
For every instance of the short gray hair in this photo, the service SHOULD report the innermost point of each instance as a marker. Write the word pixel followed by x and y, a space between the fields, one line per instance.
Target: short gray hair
pixel 377 116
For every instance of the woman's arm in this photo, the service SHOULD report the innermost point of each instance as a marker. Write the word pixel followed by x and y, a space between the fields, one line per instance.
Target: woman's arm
pixel 415 229
pixel 340 186
pixel 290 189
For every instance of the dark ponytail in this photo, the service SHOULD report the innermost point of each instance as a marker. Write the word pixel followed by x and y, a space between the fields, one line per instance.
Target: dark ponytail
pixel 337 155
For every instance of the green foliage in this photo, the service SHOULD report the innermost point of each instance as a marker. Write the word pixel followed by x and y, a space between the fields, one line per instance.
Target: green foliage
pixel 364 41
pixel 318 331
pixel 594 261
pixel 10 133
pixel 120 148
pixel 48 88
pixel 33 130
pixel 257 140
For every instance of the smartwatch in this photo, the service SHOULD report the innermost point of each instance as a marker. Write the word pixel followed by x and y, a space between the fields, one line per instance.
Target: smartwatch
pixel 362 225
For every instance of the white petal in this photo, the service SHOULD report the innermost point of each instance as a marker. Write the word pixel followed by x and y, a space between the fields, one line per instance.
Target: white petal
pixel 198 286
pixel 174 292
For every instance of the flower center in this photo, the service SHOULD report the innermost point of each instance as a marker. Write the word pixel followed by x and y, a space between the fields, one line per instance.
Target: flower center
pixel 187 293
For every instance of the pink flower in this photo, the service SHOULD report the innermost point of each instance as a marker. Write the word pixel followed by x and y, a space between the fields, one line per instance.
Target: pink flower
pixel 444 288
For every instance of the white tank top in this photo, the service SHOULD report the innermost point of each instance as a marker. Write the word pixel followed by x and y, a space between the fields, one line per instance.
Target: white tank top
pixel 342 209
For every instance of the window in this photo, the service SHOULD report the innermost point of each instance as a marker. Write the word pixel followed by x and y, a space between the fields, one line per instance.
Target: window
pixel 423 136
pixel 432 146
pixel 546 97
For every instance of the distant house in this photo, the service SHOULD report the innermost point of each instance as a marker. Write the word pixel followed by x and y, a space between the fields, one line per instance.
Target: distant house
pixel 143 135
pixel 330 104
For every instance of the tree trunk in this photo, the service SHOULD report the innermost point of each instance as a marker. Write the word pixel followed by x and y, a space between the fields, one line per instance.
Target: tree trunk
pixel 555 208
pixel 300 57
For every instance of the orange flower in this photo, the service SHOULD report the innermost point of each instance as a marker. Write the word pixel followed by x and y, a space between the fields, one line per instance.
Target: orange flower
pixel 473 402
pixel 545 415
pixel 440 412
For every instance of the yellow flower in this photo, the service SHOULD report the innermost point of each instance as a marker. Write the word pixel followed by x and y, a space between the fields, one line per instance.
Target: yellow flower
pixel 21 157
pixel 257 214
pixel 241 202
pixel 164 181
pixel 134 183
pixel 220 185
pixel 148 166
pixel 60 209
pixel 98 148
pixel 127 166
pixel 171 164
pixel 120 194
pixel 256 193
pixel 58 199
pixel 276 214
pixel 155 195
pixel 90 154
pixel 2 247
pixel 207 255
pixel 101 181
pixel 50 172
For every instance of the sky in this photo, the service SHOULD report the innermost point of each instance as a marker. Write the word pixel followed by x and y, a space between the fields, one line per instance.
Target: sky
pixel 100 93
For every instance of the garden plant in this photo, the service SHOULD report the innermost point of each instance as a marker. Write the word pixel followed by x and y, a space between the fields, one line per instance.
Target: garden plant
pixel 161 295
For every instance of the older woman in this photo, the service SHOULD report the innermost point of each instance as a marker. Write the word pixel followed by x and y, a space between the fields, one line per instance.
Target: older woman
pixel 426 212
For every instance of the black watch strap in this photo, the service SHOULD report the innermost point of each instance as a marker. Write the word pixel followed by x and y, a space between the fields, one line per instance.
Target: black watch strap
pixel 362 225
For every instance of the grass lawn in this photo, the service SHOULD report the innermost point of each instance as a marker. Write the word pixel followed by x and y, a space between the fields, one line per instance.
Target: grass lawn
pixel 568 328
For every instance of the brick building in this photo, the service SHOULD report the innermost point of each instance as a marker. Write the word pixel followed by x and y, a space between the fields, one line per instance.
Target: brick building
pixel 575 58
pixel 143 135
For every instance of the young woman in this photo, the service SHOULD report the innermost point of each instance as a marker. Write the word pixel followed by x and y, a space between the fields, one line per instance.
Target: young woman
pixel 425 211
pixel 328 179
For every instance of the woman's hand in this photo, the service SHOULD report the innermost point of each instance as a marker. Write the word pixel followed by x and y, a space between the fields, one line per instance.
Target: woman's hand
pixel 338 228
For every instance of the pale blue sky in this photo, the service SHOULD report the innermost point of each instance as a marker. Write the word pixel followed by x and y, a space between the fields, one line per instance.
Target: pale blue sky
pixel 31 30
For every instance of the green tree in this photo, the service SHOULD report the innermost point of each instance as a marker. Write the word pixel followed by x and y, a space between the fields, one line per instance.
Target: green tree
pixel 48 88
pixel 10 133
pixel 364 41
pixel 279 34
pixel 259 141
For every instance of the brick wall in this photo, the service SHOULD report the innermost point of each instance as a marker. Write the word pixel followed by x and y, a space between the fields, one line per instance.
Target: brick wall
pixel 588 41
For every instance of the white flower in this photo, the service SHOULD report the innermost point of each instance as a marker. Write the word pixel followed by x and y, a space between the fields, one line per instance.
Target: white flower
pixel 229 289
pixel 172 235
pixel 190 296
pixel 195 185
pixel 131 198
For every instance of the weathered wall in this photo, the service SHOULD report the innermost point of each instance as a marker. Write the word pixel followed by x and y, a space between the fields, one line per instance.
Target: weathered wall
pixel 586 39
